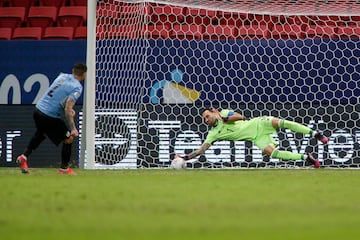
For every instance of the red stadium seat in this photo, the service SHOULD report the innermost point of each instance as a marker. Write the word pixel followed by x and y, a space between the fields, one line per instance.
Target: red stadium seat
pixel 5 33
pixel 58 33
pixel 231 18
pixel 353 20
pixel 41 16
pixel 118 32
pixel 220 32
pixel 27 33
pixel 286 31
pixel 56 3
pixel 187 31
pixel 167 14
pixel 261 20
pixel 74 16
pixel 128 12
pixel 22 3
pixel 107 14
pixel 331 20
pixel 158 31
pixel 300 20
pixel 316 31
pixel 80 33
pixel 254 32
pixel 12 16
pixel 199 16
pixel 126 32
pixel 348 32
pixel 79 2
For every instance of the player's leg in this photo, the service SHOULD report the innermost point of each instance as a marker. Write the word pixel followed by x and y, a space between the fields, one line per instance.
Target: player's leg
pixel 299 128
pixel 65 159
pixel 34 143
pixel 60 134
pixel 268 145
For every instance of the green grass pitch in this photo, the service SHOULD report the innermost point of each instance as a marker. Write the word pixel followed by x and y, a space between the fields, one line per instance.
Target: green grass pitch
pixel 190 204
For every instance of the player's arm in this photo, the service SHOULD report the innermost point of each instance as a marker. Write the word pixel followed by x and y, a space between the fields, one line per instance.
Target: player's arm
pixel 233 116
pixel 69 116
pixel 193 154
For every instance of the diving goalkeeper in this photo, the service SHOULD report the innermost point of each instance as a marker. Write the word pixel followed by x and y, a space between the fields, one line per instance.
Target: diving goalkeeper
pixel 230 125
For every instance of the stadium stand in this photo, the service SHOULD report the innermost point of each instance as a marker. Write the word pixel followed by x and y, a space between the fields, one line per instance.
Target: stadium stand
pixel 56 3
pixel 167 21
pixel 348 32
pixel 72 16
pixel 167 15
pixel 254 31
pixel 80 33
pixel 12 17
pixel 199 16
pixel 315 31
pixel 215 32
pixel 228 18
pixel 27 33
pixel 42 16
pixel 5 33
pixel 108 14
pixel 158 31
pixel 58 33
pixel 187 31
pixel 286 31
pixel 79 2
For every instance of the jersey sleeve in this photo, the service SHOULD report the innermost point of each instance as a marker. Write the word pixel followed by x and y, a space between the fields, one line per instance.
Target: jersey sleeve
pixel 211 137
pixel 75 94
pixel 226 113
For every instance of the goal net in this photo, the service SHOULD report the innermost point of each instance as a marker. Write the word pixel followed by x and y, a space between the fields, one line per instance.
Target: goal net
pixel 159 63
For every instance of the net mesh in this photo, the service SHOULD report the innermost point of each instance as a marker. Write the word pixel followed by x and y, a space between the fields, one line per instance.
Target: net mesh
pixel 158 63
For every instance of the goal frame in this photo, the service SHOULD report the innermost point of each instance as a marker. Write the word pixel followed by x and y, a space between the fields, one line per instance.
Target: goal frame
pixel 87 149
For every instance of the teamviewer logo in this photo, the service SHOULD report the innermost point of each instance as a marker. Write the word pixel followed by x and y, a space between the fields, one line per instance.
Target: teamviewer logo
pixel 115 138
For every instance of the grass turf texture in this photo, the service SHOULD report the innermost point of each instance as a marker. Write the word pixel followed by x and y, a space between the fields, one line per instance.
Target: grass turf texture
pixel 191 204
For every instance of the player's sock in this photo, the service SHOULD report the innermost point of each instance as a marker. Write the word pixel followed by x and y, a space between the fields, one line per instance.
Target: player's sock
pixel 65 155
pixel 294 126
pixel 286 155
pixel 27 152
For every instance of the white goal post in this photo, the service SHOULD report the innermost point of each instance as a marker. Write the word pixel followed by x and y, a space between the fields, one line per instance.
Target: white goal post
pixel 154 65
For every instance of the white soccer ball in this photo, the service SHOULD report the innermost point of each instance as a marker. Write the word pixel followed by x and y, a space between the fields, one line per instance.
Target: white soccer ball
pixel 178 163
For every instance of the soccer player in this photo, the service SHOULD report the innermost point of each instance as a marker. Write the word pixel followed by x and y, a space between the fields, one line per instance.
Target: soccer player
pixel 230 125
pixel 54 117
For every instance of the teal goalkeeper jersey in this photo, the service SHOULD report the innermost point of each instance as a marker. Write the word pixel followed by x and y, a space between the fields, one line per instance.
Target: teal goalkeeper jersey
pixel 232 131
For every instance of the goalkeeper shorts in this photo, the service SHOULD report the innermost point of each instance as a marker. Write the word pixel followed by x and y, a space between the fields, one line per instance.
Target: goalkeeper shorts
pixel 265 130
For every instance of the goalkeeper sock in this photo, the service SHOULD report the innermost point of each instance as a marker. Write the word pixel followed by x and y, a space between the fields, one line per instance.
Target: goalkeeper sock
pixel 294 126
pixel 65 155
pixel 286 155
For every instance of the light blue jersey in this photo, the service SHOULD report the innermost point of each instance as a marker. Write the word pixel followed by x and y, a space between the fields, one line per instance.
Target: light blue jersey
pixel 54 99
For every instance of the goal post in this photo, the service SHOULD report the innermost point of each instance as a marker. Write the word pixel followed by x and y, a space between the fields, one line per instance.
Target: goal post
pixel 154 65
pixel 87 146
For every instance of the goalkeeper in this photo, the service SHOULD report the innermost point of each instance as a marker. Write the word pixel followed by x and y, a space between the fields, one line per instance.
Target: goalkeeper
pixel 54 117
pixel 230 125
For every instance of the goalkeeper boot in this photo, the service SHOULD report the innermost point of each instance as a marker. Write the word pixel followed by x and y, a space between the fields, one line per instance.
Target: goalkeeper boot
pixel 22 162
pixel 312 160
pixel 320 137
pixel 67 171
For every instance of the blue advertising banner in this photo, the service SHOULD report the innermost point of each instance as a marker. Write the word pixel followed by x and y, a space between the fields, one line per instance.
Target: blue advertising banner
pixel 27 68
pixel 321 70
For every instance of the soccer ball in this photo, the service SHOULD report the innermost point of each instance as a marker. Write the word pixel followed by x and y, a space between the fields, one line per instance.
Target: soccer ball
pixel 178 163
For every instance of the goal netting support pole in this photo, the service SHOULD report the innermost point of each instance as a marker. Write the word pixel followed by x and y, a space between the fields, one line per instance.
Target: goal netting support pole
pixel 154 65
